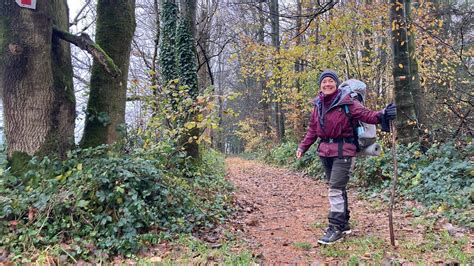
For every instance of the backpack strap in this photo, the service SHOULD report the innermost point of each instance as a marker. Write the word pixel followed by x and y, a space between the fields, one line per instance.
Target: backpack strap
pixel 354 129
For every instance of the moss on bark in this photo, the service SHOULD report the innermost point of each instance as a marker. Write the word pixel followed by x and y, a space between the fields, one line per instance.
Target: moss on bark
pixel 114 33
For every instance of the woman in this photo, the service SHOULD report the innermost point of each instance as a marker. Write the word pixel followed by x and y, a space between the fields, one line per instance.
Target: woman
pixel 330 122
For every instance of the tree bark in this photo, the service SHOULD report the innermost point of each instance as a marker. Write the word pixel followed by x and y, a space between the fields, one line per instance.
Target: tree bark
pixel 275 25
pixel 406 126
pixel 415 83
pixel 36 81
pixel 263 90
pixel 105 118
pixel 203 37
pixel 298 126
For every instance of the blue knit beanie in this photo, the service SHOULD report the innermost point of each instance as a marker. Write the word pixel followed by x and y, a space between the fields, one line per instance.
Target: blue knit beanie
pixel 329 73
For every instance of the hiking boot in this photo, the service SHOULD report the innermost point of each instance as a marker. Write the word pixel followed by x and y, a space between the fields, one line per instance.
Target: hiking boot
pixel 346 229
pixel 333 234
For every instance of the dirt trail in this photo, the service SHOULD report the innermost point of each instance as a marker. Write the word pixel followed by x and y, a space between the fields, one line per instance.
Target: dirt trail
pixel 285 213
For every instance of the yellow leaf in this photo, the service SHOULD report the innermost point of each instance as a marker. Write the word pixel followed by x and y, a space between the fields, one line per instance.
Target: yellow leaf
pixel 190 125
pixel 200 117
pixel 440 23
pixel 400 65
pixel 443 207
pixel 79 167
pixel 59 177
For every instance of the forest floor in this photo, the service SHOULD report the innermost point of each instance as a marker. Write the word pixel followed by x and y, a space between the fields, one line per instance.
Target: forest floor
pixel 283 214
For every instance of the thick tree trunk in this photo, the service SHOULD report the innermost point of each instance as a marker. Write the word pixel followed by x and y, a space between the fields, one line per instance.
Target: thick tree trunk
pixel 187 66
pixel 169 17
pixel 406 126
pixel 65 103
pixel 36 81
pixel 105 119
pixel 415 83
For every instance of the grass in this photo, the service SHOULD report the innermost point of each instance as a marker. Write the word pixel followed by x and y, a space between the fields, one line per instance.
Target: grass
pixel 303 245
pixel 189 250
pixel 435 246
pixel 186 250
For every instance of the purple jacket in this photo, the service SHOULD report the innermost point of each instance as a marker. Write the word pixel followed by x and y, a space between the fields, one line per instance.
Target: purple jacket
pixel 334 123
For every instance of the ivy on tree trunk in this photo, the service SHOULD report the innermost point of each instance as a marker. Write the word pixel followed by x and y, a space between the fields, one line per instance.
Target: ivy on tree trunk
pixel 187 66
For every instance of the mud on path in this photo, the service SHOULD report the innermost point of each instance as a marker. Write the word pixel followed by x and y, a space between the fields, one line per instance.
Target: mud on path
pixel 284 213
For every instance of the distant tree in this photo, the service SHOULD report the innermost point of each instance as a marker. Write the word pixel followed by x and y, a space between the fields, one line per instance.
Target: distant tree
pixel 275 34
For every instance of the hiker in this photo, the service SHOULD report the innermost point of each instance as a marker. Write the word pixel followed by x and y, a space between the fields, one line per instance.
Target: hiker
pixel 332 125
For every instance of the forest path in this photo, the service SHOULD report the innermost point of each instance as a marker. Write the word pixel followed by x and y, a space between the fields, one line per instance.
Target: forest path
pixel 284 213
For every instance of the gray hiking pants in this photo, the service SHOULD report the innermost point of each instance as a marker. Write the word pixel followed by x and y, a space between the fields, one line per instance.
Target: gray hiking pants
pixel 337 174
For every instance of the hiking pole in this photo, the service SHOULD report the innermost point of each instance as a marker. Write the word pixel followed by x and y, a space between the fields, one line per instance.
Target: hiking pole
pixel 394 181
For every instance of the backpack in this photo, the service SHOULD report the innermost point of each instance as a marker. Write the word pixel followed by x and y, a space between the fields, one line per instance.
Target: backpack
pixel 365 134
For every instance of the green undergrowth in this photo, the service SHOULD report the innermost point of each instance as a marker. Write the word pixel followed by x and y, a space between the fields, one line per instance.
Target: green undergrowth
pixel 101 203
pixel 442 178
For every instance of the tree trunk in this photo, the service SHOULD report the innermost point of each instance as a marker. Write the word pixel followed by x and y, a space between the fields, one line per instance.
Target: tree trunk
pixel 204 35
pixel 275 25
pixel 36 81
pixel 154 64
pixel 168 65
pixel 187 66
pixel 406 126
pixel 264 99
pixel 366 51
pixel 105 118
pixel 414 76
pixel 298 126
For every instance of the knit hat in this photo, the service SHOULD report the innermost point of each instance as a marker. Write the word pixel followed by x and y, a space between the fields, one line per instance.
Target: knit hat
pixel 329 73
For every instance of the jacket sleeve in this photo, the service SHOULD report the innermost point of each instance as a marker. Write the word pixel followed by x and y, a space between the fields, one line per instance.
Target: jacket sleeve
pixel 361 113
pixel 311 135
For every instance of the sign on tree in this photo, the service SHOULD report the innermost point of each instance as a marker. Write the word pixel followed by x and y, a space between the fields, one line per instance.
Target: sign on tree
pixel 31 4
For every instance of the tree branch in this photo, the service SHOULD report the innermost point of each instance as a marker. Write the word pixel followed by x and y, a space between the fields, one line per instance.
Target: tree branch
pixel 85 43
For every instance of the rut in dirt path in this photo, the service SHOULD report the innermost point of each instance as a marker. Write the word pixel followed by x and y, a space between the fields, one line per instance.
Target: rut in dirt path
pixel 285 211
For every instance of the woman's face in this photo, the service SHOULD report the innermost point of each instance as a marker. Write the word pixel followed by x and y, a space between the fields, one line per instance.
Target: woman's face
pixel 328 86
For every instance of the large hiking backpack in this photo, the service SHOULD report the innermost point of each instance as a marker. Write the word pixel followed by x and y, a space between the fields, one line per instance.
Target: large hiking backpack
pixel 365 134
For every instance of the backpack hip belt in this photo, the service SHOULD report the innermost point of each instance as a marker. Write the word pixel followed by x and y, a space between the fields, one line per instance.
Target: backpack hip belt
pixel 340 142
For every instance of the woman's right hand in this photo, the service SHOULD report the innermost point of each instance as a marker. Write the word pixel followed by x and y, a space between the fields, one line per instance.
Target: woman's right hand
pixel 299 154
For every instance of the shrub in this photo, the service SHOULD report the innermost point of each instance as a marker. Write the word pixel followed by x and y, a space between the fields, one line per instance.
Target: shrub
pixel 101 202
pixel 285 155
pixel 441 178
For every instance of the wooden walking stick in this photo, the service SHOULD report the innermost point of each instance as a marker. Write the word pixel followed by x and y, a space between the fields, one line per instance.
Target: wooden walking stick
pixel 394 181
